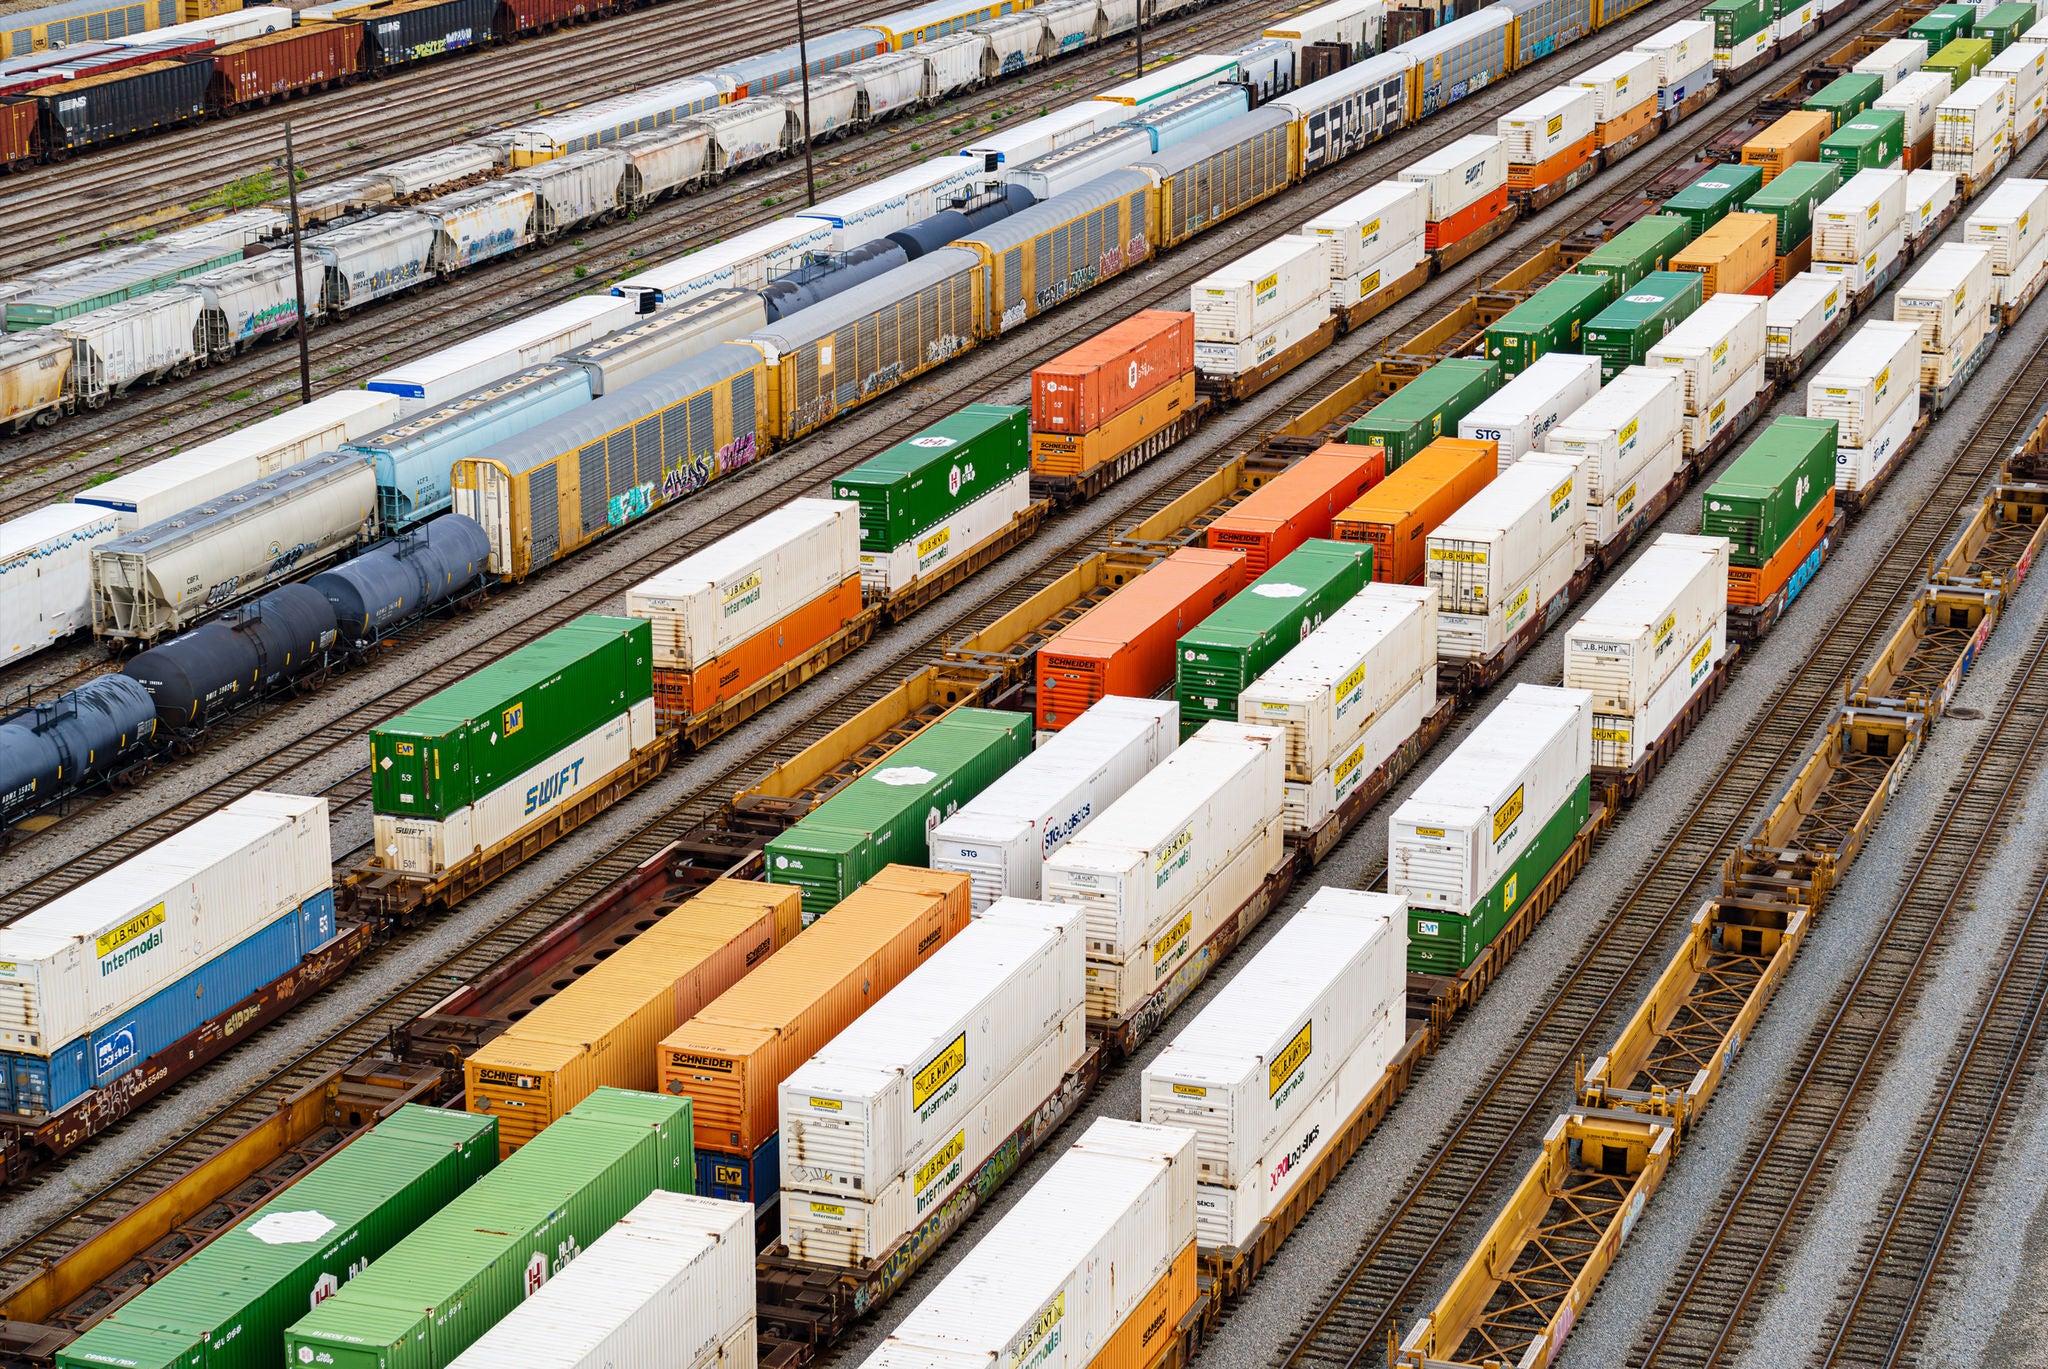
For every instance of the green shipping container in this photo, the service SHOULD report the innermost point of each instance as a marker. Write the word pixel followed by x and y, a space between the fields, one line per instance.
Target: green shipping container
pixel 921 482
pixel 1872 141
pixel 1623 333
pixel 1735 20
pixel 1846 96
pixel 1941 26
pixel 1962 59
pixel 886 816
pixel 1714 196
pixel 1644 246
pixel 1445 943
pixel 1548 321
pixel 487 731
pixel 1241 641
pixel 454 1278
pixel 2003 25
pixel 1426 408
pixel 1780 478
pixel 228 1306
pixel 1791 197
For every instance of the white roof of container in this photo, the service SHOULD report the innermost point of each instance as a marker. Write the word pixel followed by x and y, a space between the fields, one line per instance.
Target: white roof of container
pixel 1453 154
pixel 414 376
pixel 288 484
pixel 926 175
pixel 741 549
pixel 1094 115
pixel 38 526
pixel 1174 79
pixel 1645 591
pixel 1205 145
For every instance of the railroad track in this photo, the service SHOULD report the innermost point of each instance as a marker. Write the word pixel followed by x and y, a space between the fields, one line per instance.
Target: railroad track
pixel 1448 1198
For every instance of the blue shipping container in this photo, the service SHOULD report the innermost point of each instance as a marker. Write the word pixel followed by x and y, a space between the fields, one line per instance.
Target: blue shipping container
pixel 752 1178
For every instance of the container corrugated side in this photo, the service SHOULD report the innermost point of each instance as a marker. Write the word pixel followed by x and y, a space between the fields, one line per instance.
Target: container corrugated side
pixel 1517 416
pixel 1366 227
pixel 1872 374
pixel 1256 291
pixel 920 483
pixel 1798 310
pixel 1718 344
pixel 1083 388
pixel 1620 428
pixel 1233 646
pixel 1487 561
pixel 1633 637
pixel 1763 495
pixel 46 573
pixel 2009 220
pixel 1946 294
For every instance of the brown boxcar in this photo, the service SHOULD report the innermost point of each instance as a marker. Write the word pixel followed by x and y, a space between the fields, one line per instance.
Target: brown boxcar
pixel 309 57
pixel 519 17
pixel 1298 504
pixel 20 133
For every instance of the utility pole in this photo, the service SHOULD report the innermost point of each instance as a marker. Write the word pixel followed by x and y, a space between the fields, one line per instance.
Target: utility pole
pixel 1141 37
pixel 291 182
pixel 803 58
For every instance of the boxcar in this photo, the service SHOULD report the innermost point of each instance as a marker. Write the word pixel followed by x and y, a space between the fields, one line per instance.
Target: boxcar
pixel 1052 251
pixel 1341 114
pixel 1206 179
pixel 21 135
pixel 517 18
pixel 398 33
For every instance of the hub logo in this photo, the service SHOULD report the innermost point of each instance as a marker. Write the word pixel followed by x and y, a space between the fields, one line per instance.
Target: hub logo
pixel 116 1051
pixel 554 787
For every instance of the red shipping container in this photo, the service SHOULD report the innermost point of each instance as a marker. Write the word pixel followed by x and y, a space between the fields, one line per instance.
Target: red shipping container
pixel 1080 390
pixel 18 141
pixel 1124 645
pixel 527 16
pixel 278 64
pixel 1298 504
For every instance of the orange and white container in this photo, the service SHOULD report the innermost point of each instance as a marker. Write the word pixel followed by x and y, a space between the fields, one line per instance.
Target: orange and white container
pixel 1468 187
pixel 1548 138
pixel 1399 513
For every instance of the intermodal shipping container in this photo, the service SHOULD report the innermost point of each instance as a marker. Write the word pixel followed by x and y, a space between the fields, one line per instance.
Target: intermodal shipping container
pixel 1499 559
pixel 1735 256
pixel 1793 139
pixel 886 816
pixel 1397 515
pixel 1873 140
pixel 1082 389
pixel 454 1277
pixel 731 1058
pixel 1791 198
pixel 2002 25
pixel 1468 187
pixel 1942 26
pixel 1242 640
pixel 1759 502
pixel 123 103
pixel 1734 20
pixel 1895 60
pixel 1638 250
pixel 1622 334
pixel 294 59
pixel 912 495
pixel 1548 321
pixel 1715 195
pixel 1125 645
pixel 1960 60
pixel 603 1029
pixel 227 1306
pixel 1425 409
pixel 1297 504
pixel 1843 98
pixel 1517 415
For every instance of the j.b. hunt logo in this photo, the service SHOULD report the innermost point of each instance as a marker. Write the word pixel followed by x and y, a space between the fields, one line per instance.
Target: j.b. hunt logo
pixel 131 940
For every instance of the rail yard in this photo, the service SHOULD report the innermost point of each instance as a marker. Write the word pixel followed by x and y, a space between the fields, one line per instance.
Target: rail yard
pixel 1464 567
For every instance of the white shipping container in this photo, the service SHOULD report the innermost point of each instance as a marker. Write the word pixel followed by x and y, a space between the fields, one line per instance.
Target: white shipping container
pixel 1485 560
pixel 1459 174
pixel 986 517
pixel 1554 122
pixel 1681 49
pixel 1859 275
pixel 1255 292
pixel 893 203
pixel 1311 802
pixel 1251 1062
pixel 1327 691
pixel 749 581
pixel 1947 292
pixel 1606 518
pixel 1928 194
pixel 1850 223
pixel 1857 467
pixel 1713 347
pixel 434 379
pixel 1793 24
pixel 2037 34
pixel 1747 52
pixel 1049 1284
pixel 1002 837
pixel 1639 631
pixel 1619 428
pixel 663 1288
pixel 1620 84
pixel 2024 69
pixel 2017 287
pixel 1272 340
pixel 1915 99
pixel 1622 739
pixel 742 262
pixel 894 1085
pixel 1381 275
pixel 1873 373
pixel 1979 163
pixel 1698 431
pixel 1894 61
pixel 1069 168
pixel 46 574
pixel 1937 369
pixel 1068 124
pixel 1975 117
pixel 2011 219
pixel 1370 226
pixel 103 947
pixel 1795 315
pixel 1518 415
pixel 134 341
pixel 1461 830
pixel 423 846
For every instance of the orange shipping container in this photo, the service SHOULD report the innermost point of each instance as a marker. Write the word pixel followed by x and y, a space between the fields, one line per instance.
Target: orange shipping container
pixel 1792 263
pixel 1794 138
pixel 1442 233
pixel 1398 514
pixel 1732 254
pixel 680 695
pixel 1082 389
pixel 603 1029
pixel 1124 645
pixel 1298 504
pixel 1148 1328
pixel 1625 126
pixel 1751 585
pixel 1526 178
pixel 731 1058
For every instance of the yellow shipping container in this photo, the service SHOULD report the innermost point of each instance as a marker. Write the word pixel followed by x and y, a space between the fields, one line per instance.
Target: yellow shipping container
pixel 1735 255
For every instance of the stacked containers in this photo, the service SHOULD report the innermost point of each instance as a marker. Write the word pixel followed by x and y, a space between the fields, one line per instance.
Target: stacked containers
pixel 1685 60
pixel 931 500
pixel 1773 505
pixel 102 977
pixel 885 817
pixel 2013 222
pixel 1950 298
pixel 601 1031
pixel 1348 696
pixel 750 605
pixel 1549 137
pixel 2024 69
pixel 1375 238
pixel 1942 26
pixel 2002 25
pixel 1791 199
pixel 1261 305
pixel 1714 196
pixel 1090 405
pixel 1929 194
pixel 1218 657
pixel 1266 1076
pixel 1624 96
pixel 1398 514
pixel 1169 864
pixel 1297 505
pixel 1473 841
pixel 1973 128
pixel 1917 100
pixel 1001 838
pixel 1738 255
pixel 1648 644
pixel 1639 250
pixel 1425 408
pixel 457 1275
pixel 1516 416
pixel 1125 645
pixel 1874 140
pixel 1719 353
pixel 901 1110
pixel 731 1058
pixel 1859 230
pixel 1843 98
pixel 1498 561
pixel 1742 32
pixel 1961 60
pixel 1468 187
pixel 1548 321
pixel 1797 315
pixel 1628 438
pixel 1870 388
pixel 1622 334
pixel 1794 138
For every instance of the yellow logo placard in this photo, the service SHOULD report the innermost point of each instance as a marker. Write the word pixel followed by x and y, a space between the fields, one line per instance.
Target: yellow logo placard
pixel 141 925
pixel 942 1157
pixel 514 718
pixel 1289 1060
pixel 1509 811
pixel 943 1066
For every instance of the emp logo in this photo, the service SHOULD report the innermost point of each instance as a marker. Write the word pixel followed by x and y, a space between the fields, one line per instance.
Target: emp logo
pixel 514 718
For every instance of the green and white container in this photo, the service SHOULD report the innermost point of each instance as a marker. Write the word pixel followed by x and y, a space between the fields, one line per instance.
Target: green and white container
pixel 1476 837
pixel 227 1307
pixel 1790 198
pixel 932 498
pixel 1766 493
pixel 1742 31
pixel 1623 333
pixel 1714 196
pixel 1872 141
pixel 1846 96
pixel 456 1276
pixel 1241 641
pixel 887 815
pixel 1548 321
pixel 1644 246
pixel 1426 408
